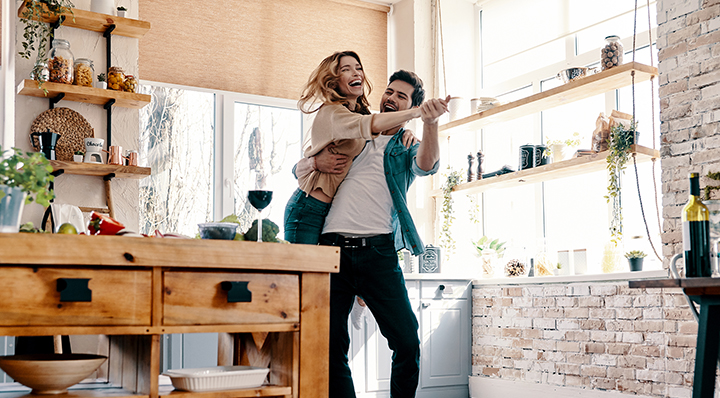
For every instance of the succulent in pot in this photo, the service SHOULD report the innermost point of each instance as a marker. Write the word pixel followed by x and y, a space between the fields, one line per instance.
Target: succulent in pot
pixel 635 259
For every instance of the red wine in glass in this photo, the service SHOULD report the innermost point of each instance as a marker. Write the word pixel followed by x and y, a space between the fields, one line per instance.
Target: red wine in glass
pixel 259 200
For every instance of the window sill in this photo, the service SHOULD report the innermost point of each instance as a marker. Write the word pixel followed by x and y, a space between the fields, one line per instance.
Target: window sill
pixel 614 277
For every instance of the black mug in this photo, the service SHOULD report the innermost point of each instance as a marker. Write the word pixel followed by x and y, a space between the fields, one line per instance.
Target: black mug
pixel 46 142
pixel 527 157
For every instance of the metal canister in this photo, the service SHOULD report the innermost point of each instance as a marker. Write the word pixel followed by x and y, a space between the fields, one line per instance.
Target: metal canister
pixel 527 156
pixel 540 158
pixel 429 262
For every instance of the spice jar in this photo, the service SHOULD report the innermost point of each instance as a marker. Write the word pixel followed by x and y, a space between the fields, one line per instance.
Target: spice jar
pixel 61 62
pixel 116 78
pixel 612 54
pixel 84 71
pixel 130 84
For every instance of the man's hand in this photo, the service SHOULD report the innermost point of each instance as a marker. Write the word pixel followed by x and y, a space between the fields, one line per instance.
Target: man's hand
pixel 432 109
pixel 409 139
pixel 326 161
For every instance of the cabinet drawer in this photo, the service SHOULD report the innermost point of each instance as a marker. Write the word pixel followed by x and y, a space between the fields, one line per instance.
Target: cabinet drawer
pixel 202 298
pixel 30 297
pixel 444 289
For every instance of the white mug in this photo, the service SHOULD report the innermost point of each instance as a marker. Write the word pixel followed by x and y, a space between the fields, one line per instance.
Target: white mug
pixel 455 108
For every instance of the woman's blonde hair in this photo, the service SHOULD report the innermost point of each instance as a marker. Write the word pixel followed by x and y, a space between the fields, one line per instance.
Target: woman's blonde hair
pixel 322 86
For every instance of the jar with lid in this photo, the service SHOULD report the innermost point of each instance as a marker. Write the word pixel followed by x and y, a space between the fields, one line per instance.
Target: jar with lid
pixel 130 84
pixel 116 78
pixel 84 71
pixel 612 54
pixel 61 62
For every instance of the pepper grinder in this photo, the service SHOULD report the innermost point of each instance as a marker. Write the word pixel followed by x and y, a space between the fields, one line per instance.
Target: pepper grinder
pixel 470 168
pixel 479 165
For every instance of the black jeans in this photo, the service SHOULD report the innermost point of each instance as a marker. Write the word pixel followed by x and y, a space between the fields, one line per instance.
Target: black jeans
pixel 371 270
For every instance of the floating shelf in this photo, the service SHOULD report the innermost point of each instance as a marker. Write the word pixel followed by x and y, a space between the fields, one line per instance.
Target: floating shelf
pixel 264 391
pixel 101 170
pixel 91 95
pixel 96 22
pixel 599 83
pixel 566 168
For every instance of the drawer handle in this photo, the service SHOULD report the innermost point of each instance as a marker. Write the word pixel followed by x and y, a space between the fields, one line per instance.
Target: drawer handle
pixel 74 290
pixel 237 292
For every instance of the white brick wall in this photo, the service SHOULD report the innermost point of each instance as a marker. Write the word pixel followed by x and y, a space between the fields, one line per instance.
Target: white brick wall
pixel 601 336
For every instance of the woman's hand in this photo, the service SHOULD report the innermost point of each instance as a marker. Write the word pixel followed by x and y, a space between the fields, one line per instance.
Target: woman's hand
pixel 328 162
pixel 409 139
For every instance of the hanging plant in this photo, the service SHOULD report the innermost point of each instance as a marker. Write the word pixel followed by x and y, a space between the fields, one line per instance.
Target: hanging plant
pixel 448 214
pixel 619 144
pixel 38 34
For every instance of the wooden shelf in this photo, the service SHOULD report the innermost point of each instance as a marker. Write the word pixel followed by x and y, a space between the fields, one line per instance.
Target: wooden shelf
pixel 91 95
pixel 96 22
pixel 264 391
pixel 81 393
pixel 575 90
pixel 566 168
pixel 101 170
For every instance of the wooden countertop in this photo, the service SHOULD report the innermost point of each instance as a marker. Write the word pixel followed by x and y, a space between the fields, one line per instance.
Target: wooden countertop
pixel 79 250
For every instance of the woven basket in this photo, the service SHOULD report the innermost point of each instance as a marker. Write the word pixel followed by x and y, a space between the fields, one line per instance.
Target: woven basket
pixel 71 125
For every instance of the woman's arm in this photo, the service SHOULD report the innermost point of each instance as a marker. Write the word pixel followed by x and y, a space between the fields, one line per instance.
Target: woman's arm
pixel 387 120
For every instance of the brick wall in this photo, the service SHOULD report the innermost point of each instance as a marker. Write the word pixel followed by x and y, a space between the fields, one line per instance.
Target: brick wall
pixel 602 336
pixel 689 65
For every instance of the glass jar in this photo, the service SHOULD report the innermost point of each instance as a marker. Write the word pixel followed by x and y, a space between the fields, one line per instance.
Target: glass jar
pixel 116 78
pixel 130 84
pixel 84 71
pixel 40 71
pixel 61 62
pixel 612 54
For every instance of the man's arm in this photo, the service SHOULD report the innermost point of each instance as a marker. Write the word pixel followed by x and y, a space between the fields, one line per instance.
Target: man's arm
pixel 429 151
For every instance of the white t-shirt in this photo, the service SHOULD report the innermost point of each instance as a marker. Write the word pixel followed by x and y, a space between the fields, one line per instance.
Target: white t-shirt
pixel 362 205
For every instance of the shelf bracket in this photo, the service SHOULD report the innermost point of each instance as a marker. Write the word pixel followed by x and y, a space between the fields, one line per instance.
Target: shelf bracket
pixel 108 107
pixel 109 177
pixel 58 172
pixel 56 99
pixel 56 25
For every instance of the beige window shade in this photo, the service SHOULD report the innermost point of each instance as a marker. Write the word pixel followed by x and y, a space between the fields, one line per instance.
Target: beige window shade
pixel 262 47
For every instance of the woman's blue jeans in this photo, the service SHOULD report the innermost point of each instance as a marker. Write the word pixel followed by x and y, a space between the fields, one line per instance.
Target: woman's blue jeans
pixel 373 273
pixel 304 218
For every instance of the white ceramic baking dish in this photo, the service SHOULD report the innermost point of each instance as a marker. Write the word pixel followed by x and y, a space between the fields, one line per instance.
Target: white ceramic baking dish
pixel 217 378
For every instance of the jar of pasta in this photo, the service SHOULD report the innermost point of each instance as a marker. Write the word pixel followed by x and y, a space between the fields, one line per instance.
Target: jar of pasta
pixel 116 78
pixel 61 62
pixel 130 84
pixel 84 71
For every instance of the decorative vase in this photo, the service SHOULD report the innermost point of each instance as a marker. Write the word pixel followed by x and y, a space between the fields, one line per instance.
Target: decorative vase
pixel 635 264
pixel 11 207
pixel 558 152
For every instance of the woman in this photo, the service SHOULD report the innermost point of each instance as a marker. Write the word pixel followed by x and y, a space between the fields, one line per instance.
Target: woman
pixel 344 122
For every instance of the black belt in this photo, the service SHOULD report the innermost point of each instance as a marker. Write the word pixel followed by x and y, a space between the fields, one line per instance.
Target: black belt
pixel 352 243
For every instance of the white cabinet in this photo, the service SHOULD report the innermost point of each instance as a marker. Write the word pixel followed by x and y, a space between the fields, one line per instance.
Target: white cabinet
pixel 443 311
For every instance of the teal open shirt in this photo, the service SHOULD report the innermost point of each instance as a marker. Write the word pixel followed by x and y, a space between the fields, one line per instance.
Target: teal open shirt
pixel 401 168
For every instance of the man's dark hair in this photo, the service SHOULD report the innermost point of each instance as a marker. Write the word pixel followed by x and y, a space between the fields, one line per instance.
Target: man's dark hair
pixel 418 95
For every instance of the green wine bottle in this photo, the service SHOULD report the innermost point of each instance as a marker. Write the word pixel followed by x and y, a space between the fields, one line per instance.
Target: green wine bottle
pixel 696 233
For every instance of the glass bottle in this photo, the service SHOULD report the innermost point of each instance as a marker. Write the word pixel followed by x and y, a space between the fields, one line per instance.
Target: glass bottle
pixel 61 62
pixel 696 233
pixel 612 54
pixel 84 72
pixel 116 78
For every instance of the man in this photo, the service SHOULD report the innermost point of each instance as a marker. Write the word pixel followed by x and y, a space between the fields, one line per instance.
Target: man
pixel 370 221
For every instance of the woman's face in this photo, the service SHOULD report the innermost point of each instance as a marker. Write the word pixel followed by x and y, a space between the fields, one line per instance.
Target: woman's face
pixel 351 77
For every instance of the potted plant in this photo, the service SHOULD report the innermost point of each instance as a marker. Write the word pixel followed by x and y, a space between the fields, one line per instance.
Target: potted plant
pixel 621 139
pixel 558 269
pixel 489 251
pixel 101 81
pixel 37 34
pixel 635 259
pixel 24 177
pixel 121 11
pixel 79 156
pixel 556 148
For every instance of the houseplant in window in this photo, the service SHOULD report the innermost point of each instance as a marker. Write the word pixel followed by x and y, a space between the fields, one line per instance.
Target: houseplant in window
pixel 446 240
pixel 622 137
pixel 635 259
pixel 24 177
pixel 557 148
pixel 490 251
pixel 37 34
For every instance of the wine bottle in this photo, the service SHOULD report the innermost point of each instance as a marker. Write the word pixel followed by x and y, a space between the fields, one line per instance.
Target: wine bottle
pixel 696 233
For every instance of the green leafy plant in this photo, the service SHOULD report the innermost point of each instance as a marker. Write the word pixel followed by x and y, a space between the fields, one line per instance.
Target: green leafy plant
pixel 485 245
pixel 37 34
pixel 619 144
pixel 570 143
pixel 31 172
pixel 635 254
pixel 101 77
pixel 558 266
pixel 80 153
pixel 121 8
pixel 448 214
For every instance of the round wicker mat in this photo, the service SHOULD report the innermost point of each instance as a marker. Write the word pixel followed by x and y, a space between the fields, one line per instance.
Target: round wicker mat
pixel 71 125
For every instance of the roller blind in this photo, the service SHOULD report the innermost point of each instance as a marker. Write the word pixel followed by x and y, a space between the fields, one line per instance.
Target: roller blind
pixel 262 47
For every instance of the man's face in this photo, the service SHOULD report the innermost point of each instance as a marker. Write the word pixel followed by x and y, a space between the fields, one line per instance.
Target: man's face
pixel 397 97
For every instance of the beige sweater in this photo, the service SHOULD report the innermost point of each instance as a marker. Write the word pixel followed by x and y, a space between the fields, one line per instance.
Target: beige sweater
pixel 335 124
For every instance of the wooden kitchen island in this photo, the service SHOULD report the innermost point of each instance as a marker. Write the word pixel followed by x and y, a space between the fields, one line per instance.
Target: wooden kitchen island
pixel 268 301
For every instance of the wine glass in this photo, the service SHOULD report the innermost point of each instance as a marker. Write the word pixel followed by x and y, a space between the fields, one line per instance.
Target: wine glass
pixel 259 199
